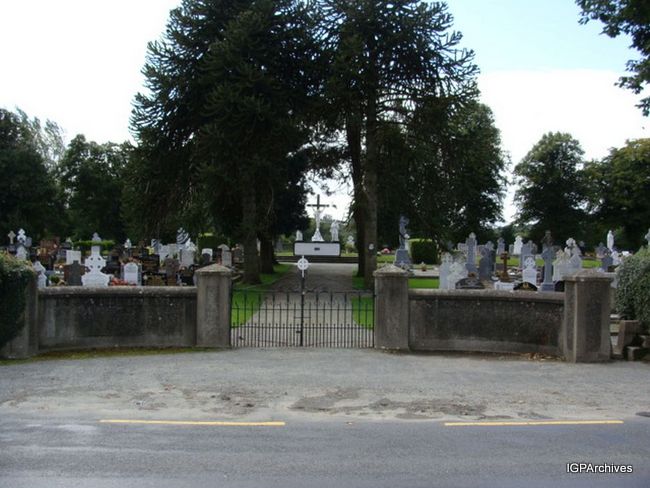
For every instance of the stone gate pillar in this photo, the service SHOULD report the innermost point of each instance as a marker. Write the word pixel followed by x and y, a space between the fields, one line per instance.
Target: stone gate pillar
pixel 213 284
pixel 391 308
pixel 587 308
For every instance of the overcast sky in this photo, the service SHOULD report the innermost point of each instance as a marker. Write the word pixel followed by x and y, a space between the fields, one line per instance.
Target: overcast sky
pixel 78 62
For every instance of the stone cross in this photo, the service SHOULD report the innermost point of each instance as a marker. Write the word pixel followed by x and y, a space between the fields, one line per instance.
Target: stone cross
pixel 547 256
pixel 11 237
pixel 317 213
pixel 95 263
pixel 547 241
pixel 504 276
pixel 471 253
pixel 22 238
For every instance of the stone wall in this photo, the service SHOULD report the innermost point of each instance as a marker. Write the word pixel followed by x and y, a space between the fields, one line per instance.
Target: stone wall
pixel 78 317
pixel 485 320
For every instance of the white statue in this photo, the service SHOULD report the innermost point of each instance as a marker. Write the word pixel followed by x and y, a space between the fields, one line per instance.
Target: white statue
pixel 334 231
pixel 610 240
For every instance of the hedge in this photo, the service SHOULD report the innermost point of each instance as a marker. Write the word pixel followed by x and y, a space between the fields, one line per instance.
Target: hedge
pixel 423 251
pixel 633 291
pixel 15 275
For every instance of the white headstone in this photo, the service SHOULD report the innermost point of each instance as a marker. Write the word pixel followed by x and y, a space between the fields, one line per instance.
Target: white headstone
pixel 127 244
pixel 95 263
pixel 163 252
pixel 131 274
pixel 21 252
pixel 560 266
pixel 226 257
pixel 457 271
pixel 298 235
pixel 517 246
pixel 207 250
pixel 40 274
pixel 575 261
pixel 72 256
pixel 529 274
pixel 187 258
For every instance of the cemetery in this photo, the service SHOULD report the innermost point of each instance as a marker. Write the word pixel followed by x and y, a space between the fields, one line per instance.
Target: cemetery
pixel 151 298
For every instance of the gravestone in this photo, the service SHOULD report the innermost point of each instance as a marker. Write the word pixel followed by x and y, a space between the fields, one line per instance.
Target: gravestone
pixel 462 247
pixel 529 274
pixel 525 252
pixel 299 236
pixel 575 262
pixel 132 274
pixel 547 241
pixel 485 266
pixel 547 256
pixel 570 246
pixel 11 236
pixel 163 252
pixel 237 255
pixel 600 250
pixel 606 261
pixel 72 273
pixel 457 271
pixel 616 258
pixel 444 270
pixel 516 250
pixel 647 237
pixel 501 246
pixel 21 252
pixel 350 241
pixel 226 258
pixel 171 266
pixel 40 274
pixel 471 254
pixel 560 266
pixel 402 257
pixel 150 263
pixel 94 264
pixel 492 255
pixel 207 251
pixel 511 249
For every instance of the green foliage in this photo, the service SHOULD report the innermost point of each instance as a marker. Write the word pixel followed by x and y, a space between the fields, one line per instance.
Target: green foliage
pixel 28 194
pixel 552 193
pixel 423 251
pixel 631 17
pixel 91 178
pixel 632 295
pixel 84 246
pixel 15 275
pixel 619 187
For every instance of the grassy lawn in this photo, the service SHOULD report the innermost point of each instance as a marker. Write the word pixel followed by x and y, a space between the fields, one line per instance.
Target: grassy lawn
pixel 424 283
pixel 363 311
pixel 245 303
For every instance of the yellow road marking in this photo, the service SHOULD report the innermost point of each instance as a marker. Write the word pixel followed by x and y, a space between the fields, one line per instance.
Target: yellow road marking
pixel 533 422
pixel 191 422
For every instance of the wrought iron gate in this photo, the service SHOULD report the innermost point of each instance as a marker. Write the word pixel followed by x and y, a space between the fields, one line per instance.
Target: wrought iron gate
pixel 302 319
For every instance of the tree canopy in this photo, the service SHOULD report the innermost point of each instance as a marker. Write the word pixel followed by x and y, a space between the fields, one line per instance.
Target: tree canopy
pixel 552 194
pixel 631 17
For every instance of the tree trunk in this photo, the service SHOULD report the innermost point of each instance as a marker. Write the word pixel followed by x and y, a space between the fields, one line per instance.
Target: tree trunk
pixel 370 192
pixel 353 135
pixel 266 255
pixel 251 261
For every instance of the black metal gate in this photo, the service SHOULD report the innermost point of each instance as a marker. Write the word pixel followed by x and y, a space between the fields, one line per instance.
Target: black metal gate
pixel 302 319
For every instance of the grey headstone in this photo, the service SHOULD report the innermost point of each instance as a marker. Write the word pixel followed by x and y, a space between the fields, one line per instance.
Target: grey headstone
pixel 73 273
pixel 471 253
pixel 485 266
pixel 501 246
pixel 547 256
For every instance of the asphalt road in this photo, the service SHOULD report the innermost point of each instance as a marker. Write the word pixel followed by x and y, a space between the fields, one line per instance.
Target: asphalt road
pixel 351 418
pixel 62 453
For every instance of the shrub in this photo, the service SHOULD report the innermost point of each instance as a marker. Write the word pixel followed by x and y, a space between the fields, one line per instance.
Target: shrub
pixel 87 245
pixel 15 275
pixel 423 251
pixel 633 292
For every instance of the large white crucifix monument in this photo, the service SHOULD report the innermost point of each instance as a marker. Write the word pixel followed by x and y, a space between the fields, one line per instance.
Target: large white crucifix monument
pixel 317 246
